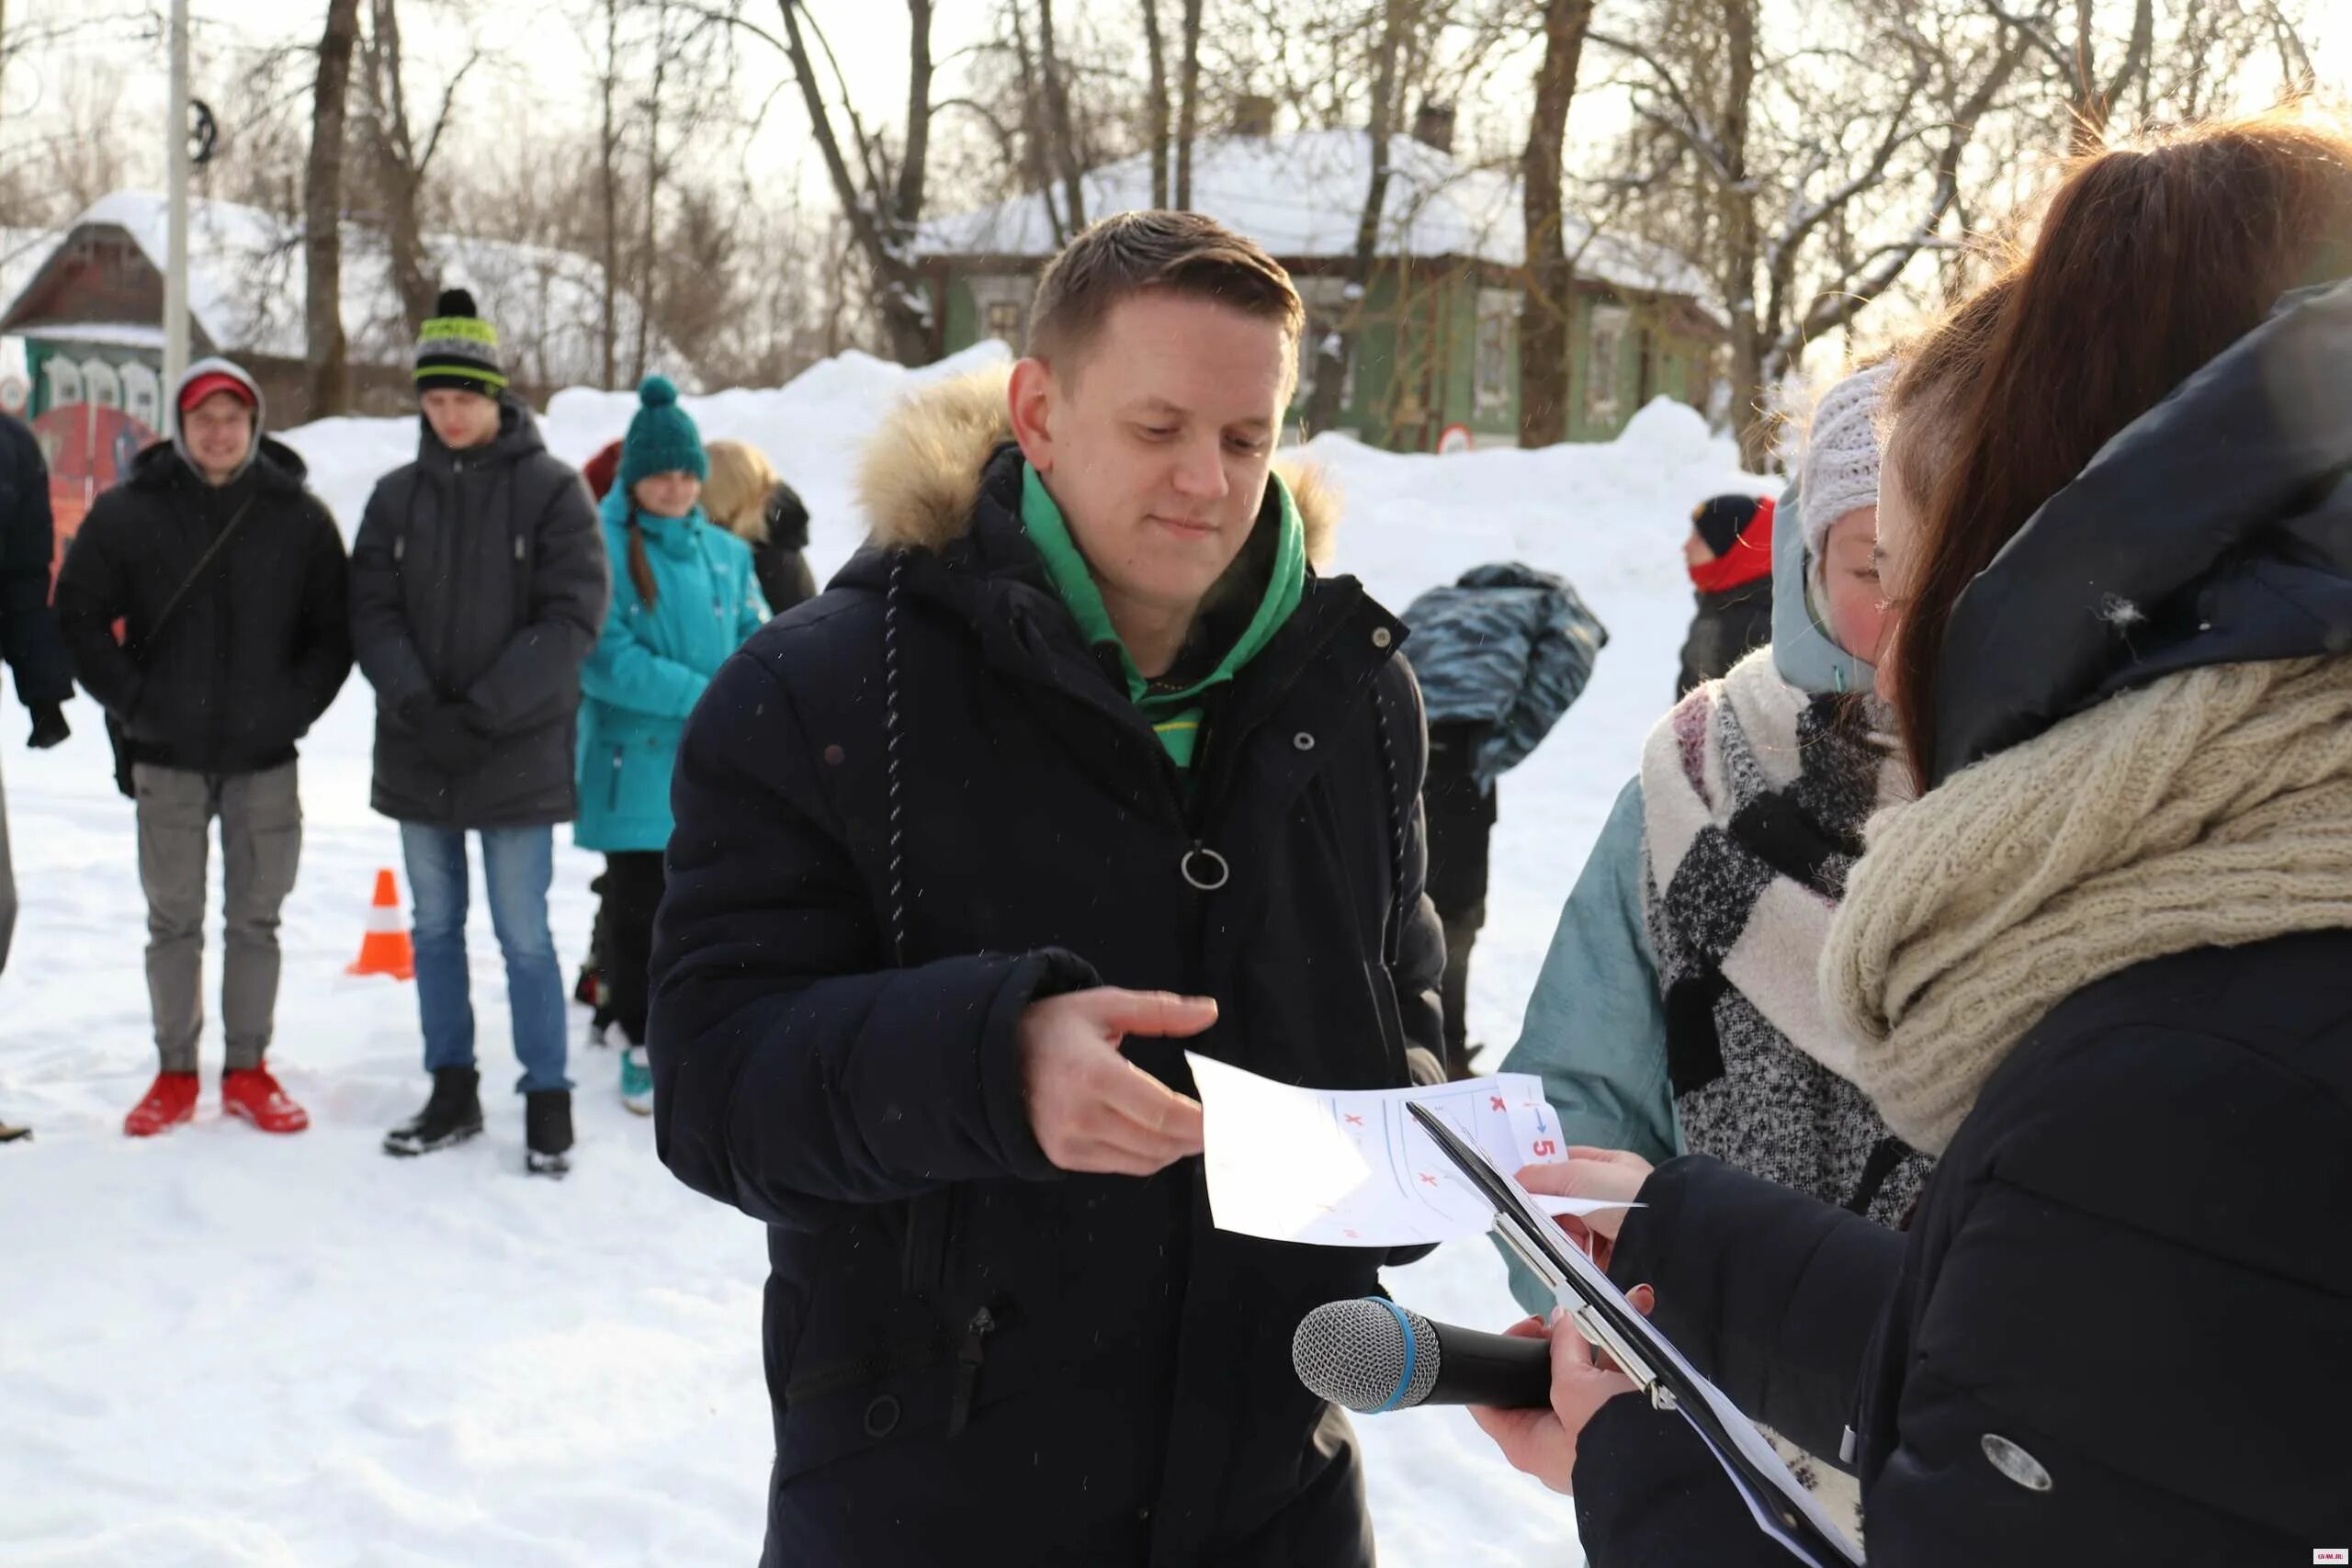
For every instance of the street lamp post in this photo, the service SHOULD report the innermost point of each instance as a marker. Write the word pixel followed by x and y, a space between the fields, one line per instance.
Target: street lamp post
pixel 175 268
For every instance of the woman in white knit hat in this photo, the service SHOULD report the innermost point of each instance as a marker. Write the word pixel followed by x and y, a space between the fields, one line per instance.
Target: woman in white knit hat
pixel 1676 1010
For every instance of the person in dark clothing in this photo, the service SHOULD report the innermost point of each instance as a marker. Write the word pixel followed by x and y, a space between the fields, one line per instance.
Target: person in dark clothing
pixel 1081 716
pixel 29 642
pixel 2099 967
pixel 747 498
pixel 229 578
pixel 478 585
pixel 1501 654
pixel 1729 553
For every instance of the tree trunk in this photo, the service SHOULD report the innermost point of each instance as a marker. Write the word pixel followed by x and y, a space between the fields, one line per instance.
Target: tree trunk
pixel 1065 145
pixel 397 173
pixel 1335 351
pixel 1038 166
pixel 608 193
pixel 1736 209
pixel 329 355
pixel 884 232
pixel 1544 348
pixel 1188 102
pixel 906 207
pixel 649 253
pixel 1156 105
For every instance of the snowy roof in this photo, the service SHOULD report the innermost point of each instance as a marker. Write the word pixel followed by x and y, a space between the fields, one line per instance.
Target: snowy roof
pixel 246 286
pixel 21 253
pixel 1300 195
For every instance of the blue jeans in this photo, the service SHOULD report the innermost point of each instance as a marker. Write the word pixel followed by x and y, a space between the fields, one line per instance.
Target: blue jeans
pixel 518 865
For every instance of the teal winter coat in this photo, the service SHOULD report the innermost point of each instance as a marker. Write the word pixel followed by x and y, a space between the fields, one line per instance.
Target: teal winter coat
pixel 650 665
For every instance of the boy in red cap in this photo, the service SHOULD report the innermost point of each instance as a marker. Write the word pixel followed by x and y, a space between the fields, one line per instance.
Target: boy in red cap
pixel 229 576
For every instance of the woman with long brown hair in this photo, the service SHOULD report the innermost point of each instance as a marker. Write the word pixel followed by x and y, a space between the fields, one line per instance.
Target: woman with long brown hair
pixel 2102 967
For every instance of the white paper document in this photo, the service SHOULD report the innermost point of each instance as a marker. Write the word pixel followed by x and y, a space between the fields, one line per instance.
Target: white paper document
pixel 1349 1167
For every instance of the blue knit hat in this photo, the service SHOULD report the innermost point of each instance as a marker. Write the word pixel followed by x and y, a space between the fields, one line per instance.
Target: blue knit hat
pixel 661 438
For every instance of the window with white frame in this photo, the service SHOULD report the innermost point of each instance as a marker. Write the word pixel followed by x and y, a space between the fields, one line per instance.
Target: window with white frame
pixel 1498 335
pixel 1002 306
pixel 1603 360
pixel 1004 323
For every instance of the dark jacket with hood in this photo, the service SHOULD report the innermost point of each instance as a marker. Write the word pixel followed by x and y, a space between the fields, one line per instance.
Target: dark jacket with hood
pixel 906 811
pixel 781 561
pixel 479 579
pixel 1725 628
pixel 258 647
pixel 2119 1328
pixel 29 642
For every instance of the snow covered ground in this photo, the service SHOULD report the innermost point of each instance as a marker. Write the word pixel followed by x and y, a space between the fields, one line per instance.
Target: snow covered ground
pixel 218 1348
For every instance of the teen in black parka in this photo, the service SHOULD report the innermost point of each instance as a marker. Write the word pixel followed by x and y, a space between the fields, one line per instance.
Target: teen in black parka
pixel 906 811
pixel 478 579
pixel 256 651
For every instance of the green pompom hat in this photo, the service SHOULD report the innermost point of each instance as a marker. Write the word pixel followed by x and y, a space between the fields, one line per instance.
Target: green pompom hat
pixel 458 350
pixel 661 438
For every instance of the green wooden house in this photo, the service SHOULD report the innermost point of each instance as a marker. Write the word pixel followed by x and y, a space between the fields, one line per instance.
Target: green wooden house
pixel 1438 346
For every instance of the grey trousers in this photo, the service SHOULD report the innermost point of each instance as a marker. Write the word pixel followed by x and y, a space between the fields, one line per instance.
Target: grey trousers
pixel 7 885
pixel 261 844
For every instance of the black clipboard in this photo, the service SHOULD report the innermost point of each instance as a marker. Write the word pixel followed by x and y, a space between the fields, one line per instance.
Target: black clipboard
pixel 1782 1507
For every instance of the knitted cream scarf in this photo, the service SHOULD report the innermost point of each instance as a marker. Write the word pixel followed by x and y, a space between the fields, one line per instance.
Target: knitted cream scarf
pixel 2212 808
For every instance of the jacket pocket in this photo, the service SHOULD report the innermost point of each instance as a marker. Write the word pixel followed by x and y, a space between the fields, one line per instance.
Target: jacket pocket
pixel 931 1381
pixel 612 784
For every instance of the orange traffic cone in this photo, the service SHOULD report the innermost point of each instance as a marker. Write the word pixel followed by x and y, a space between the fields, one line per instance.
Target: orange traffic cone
pixel 385 949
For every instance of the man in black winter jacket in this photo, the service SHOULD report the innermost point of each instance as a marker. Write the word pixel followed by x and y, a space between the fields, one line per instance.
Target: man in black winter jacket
pixel 1081 756
pixel 229 578
pixel 478 586
pixel 28 636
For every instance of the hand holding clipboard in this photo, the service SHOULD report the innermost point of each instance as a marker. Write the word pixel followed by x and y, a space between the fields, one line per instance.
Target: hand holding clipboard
pixel 1783 1509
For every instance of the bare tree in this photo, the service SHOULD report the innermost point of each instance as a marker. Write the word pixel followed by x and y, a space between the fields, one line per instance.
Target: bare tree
pixel 1188 101
pixel 1156 101
pixel 882 209
pixel 400 165
pixel 327 352
pixel 608 154
pixel 2090 100
pixel 1335 350
pixel 1807 214
pixel 1544 320
pixel 1068 161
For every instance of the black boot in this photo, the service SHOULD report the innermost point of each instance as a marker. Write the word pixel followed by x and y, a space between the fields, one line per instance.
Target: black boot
pixel 546 1131
pixel 451 1116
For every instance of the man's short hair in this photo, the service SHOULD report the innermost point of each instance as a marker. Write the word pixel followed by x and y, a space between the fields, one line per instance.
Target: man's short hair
pixel 1182 254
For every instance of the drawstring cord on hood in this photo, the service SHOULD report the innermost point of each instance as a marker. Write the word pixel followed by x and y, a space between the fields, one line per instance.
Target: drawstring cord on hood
pixel 893 736
pixel 1392 933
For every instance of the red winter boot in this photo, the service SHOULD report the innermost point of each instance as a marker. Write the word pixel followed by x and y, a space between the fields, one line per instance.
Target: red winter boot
pixel 252 1093
pixel 170 1100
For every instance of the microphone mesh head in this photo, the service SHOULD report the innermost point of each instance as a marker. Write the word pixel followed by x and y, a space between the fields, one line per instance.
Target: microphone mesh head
pixel 1353 1353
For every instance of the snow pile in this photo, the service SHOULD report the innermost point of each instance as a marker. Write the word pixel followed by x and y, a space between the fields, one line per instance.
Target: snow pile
pixel 222 1350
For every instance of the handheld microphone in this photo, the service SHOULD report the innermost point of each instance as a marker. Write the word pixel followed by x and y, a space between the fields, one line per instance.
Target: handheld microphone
pixel 1371 1355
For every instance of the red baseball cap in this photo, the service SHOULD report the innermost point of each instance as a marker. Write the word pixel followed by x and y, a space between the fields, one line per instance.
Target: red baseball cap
pixel 213 381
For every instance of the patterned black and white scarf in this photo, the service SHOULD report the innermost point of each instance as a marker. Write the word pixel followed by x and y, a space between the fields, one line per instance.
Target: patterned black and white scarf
pixel 1754 794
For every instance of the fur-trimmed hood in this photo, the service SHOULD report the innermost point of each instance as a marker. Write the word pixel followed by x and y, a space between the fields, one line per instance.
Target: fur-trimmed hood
pixel 921 473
